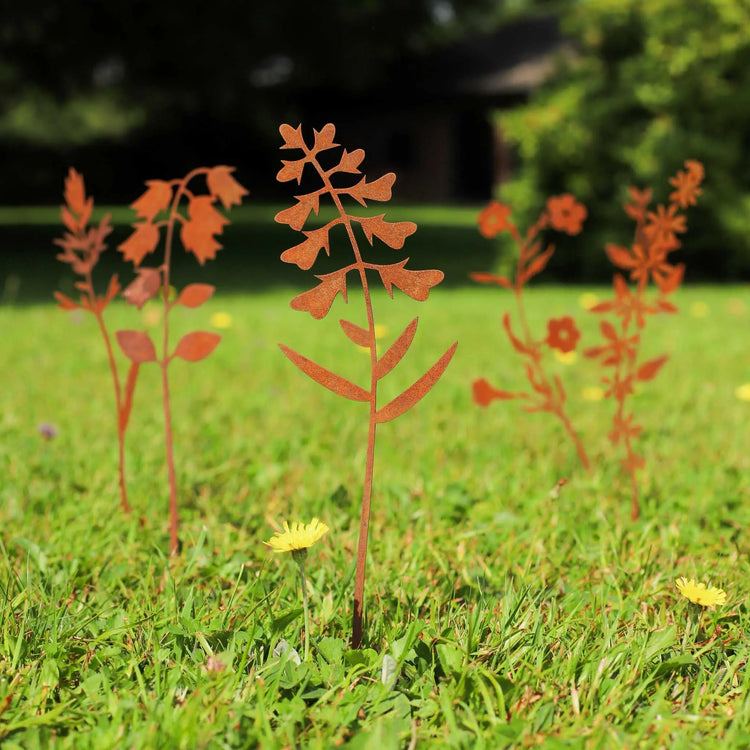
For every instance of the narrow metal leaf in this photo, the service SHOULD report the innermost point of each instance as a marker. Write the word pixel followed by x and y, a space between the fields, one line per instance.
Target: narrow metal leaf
pixel 360 336
pixel 325 377
pixel 417 391
pixel 396 351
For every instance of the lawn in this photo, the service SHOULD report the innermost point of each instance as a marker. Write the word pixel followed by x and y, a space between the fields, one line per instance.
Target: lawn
pixel 514 619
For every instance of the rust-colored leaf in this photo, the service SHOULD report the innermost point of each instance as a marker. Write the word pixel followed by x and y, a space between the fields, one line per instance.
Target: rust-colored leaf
pixel 484 394
pixel 194 295
pixel 65 303
pixel 296 216
pixel 292 136
pixel 223 186
pixel 68 219
pixel 318 301
pixel 416 284
pixel 396 351
pixel 350 161
pixel 490 278
pixel 325 377
pixel 394 234
pixel 144 287
pixel 193 347
pixel 324 138
pixel 306 253
pixel 538 264
pixel 360 336
pixel 75 192
pixel 666 306
pixel 197 234
pixel 113 289
pixel 136 346
pixel 417 391
pixel 378 190
pixel 650 369
pixel 143 241
pixel 620 257
pixel 671 280
pixel 517 344
pixel 127 405
pixel 156 199
pixel 608 330
pixel 292 170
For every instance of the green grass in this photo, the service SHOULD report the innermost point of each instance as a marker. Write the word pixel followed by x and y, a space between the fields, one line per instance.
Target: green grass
pixel 514 619
pixel 256 213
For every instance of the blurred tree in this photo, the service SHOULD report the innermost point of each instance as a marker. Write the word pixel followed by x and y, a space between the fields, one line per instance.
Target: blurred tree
pixel 653 82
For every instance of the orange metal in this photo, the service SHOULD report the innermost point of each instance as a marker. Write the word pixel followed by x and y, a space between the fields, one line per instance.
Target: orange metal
pixel 318 301
pixel 646 260
pixel 198 222
pixel 81 247
pixel 547 394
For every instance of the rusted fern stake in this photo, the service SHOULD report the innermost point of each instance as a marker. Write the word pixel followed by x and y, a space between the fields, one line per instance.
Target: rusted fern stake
pixel 547 394
pixel 198 225
pixel 318 301
pixel 81 248
pixel 646 260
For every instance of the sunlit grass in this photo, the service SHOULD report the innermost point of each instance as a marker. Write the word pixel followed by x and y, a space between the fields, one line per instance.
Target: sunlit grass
pixel 513 617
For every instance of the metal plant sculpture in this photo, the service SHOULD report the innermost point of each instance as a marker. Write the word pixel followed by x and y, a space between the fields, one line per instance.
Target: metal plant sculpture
pixel 81 247
pixel 646 260
pixel 547 394
pixel 198 223
pixel 318 301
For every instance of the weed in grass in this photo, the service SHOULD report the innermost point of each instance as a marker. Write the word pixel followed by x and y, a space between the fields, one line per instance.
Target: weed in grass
pixel 318 301
pixel 562 213
pixel 646 260
pixel 81 248
pixel 297 540
pixel 197 233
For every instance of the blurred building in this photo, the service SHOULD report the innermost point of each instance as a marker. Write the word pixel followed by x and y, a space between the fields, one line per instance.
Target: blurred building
pixel 433 123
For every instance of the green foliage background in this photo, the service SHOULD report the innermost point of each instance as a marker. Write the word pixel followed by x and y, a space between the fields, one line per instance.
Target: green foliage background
pixel 651 83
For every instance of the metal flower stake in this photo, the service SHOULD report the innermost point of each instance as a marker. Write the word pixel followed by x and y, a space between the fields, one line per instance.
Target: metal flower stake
pixel 198 223
pixel 564 214
pixel 646 260
pixel 318 301
pixel 81 247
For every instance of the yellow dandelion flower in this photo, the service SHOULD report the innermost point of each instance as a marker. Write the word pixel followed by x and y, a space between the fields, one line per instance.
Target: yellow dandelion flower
pixel 699 593
pixel 592 393
pixel 742 392
pixel 699 310
pixel 297 537
pixel 587 300
pixel 567 358
pixel 221 320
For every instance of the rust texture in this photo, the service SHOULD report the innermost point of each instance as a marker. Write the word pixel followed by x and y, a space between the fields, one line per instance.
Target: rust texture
pixel 647 259
pixel 318 300
pixel 165 207
pixel 546 394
